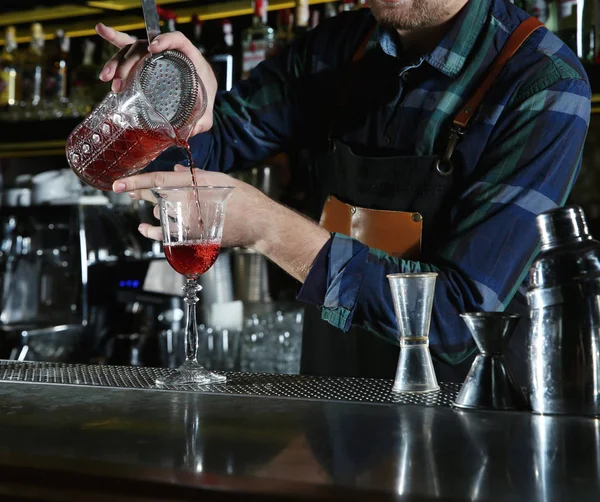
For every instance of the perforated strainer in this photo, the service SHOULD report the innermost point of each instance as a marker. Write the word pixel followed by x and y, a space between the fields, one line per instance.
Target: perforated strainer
pixel 169 83
pixel 171 86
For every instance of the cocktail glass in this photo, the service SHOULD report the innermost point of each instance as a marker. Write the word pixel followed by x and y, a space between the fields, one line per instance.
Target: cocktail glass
pixel 192 227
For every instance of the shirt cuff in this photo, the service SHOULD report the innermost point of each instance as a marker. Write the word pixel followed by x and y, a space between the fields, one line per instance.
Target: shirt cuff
pixel 335 278
pixel 315 285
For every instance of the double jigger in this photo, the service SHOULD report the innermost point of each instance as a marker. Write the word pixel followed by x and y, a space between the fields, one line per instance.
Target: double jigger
pixel 413 298
pixel 489 384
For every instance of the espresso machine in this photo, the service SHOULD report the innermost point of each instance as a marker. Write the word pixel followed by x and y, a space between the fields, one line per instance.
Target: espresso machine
pixel 43 309
pixel 72 276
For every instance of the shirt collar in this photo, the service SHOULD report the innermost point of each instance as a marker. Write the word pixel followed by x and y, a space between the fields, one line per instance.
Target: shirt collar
pixel 451 53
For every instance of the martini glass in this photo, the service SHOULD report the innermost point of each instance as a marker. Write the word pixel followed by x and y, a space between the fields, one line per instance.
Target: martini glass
pixel 191 219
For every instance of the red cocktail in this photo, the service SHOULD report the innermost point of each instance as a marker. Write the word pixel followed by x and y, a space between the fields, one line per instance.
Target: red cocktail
pixel 191 219
pixel 192 258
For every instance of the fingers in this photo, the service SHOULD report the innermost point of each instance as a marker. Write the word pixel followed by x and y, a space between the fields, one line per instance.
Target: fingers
pixel 120 65
pixel 150 231
pixel 152 180
pixel 140 184
pixel 108 72
pixel 142 195
pixel 117 38
pixel 136 52
pixel 172 41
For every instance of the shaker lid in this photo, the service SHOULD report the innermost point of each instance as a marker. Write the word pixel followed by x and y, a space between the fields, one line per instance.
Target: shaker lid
pixel 561 226
pixel 568 255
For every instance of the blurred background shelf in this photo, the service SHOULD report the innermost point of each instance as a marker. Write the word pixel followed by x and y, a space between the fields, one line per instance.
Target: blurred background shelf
pixel 32 149
pixel 79 19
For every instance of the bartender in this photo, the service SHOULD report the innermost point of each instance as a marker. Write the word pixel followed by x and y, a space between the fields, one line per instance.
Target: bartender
pixel 438 130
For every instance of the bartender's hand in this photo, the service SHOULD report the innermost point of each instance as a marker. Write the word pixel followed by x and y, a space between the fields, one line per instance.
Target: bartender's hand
pixel 131 51
pixel 246 203
pixel 252 219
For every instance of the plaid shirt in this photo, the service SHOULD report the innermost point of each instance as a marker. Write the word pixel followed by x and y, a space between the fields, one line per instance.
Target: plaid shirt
pixel 521 154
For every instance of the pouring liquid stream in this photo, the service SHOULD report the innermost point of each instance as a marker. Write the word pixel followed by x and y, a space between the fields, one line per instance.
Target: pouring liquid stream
pixel 192 258
pixel 185 146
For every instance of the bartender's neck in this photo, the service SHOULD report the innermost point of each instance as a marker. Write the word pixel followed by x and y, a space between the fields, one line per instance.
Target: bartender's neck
pixel 418 41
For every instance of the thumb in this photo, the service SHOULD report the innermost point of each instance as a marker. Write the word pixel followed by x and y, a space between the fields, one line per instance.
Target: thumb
pixel 179 168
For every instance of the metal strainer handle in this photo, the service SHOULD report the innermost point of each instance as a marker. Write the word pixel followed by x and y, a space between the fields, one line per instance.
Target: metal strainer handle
pixel 151 19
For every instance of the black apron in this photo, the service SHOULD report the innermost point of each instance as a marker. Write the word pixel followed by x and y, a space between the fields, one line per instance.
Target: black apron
pixel 420 184
pixel 408 184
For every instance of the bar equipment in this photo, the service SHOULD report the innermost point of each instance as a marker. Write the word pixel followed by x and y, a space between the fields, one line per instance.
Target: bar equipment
pixel 252 278
pixel 192 225
pixel 41 291
pixel 490 383
pixel 413 299
pixel 563 297
pixel 162 100
pixel 250 270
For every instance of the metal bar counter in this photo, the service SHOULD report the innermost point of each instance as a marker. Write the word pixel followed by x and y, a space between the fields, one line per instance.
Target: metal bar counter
pixel 104 433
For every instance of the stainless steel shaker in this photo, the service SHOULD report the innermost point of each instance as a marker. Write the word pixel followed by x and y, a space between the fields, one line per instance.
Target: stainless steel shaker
pixel 564 302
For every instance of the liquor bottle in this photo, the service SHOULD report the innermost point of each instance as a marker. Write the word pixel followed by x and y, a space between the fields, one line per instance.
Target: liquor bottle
pixel 596 30
pixel 347 5
pixel 586 30
pixel 566 22
pixel 220 55
pixel 315 18
pixel 197 34
pixel 302 18
pixel 258 41
pixel 55 85
pixel 86 88
pixel 535 8
pixel 169 19
pixel 330 10
pixel 8 70
pixel 284 33
pixel 33 67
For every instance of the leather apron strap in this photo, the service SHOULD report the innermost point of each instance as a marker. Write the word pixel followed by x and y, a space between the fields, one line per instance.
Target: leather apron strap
pixel 462 120
pixel 395 232
pixel 515 41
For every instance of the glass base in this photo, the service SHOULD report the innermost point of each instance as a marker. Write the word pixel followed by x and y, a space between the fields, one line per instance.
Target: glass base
pixel 415 373
pixel 190 373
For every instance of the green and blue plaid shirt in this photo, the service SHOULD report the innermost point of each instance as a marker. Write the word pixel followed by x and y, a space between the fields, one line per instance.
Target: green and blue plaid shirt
pixel 520 156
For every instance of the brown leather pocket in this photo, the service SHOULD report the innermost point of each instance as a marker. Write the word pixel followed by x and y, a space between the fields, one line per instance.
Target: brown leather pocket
pixel 395 232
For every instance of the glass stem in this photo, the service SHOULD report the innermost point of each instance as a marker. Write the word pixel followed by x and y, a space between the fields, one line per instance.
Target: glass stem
pixel 190 288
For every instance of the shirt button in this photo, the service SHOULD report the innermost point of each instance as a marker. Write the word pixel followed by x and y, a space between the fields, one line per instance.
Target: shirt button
pixel 386 140
pixel 405 76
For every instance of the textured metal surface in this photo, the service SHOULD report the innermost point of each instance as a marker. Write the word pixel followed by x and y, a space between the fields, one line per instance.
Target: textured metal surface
pixel 253 384
pixel 170 83
pixel 122 445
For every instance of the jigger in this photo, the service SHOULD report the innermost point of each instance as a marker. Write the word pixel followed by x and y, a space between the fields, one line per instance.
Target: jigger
pixel 413 298
pixel 490 384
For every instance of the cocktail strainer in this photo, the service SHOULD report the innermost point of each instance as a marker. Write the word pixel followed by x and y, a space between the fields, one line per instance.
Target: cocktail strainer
pixel 171 86
pixel 169 82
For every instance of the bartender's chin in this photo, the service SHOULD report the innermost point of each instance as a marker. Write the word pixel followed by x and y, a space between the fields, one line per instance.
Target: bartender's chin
pixel 408 14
